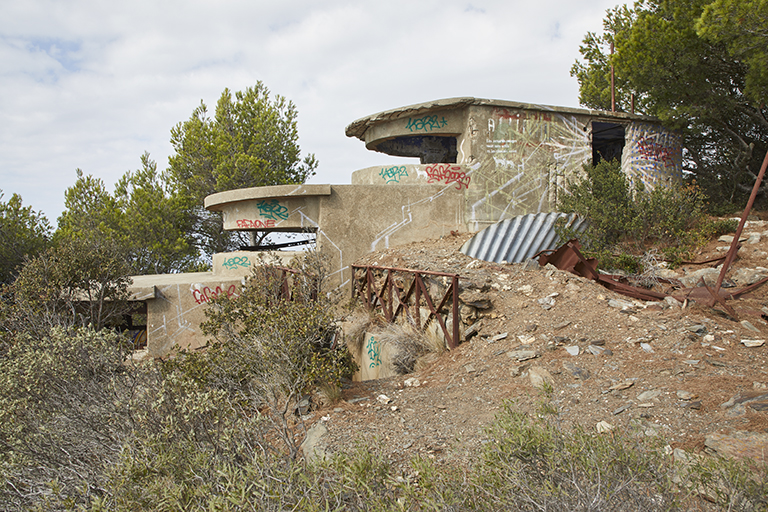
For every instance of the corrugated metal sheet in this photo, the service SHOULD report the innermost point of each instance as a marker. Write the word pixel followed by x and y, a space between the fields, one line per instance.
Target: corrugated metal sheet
pixel 519 238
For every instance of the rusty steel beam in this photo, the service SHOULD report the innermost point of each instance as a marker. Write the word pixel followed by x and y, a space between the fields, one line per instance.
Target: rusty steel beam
pixel 568 257
pixel 734 244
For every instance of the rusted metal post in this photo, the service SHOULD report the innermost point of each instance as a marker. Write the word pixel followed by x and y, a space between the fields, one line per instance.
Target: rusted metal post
pixel 613 83
pixel 732 251
pixel 369 286
pixel 455 311
pixel 415 291
pixel 417 303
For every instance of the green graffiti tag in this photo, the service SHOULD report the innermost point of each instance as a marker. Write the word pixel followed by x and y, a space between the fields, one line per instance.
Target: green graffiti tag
pixel 272 209
pixel 237 261
pixel 393 174
pixel 425 124
pixel 373 352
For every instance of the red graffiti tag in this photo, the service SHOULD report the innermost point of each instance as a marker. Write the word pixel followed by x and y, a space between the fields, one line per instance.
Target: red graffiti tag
pixel 503 113
pixel 255 224
pixel 445 173
pixel 206 294
pixel 652 150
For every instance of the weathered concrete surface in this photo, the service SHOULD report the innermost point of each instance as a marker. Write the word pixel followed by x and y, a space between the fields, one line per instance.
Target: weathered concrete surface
pixel 349 220
pixel 352 220
pixel 481 161
pixel 241 263
pixel 453 175
pixel 514 158
pixel 269 208
pixel 175 312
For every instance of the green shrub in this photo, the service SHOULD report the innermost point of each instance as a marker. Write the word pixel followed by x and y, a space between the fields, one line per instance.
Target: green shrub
pixel 604 197
pixel 64 414
pixel 77 283
pixel 272 344
pixel 625 222
pixel 532 464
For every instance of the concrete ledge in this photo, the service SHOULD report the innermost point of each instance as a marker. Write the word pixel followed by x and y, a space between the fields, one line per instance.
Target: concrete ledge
pixel 139 293
pixel 141 283
pixel 217 201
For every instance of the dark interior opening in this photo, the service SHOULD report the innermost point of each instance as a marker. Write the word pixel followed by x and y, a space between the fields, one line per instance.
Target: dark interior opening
pixel 135 324
pixel 607 141
pixel 431 149
pixel 277 239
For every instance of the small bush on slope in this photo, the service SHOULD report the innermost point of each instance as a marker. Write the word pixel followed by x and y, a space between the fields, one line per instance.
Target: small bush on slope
pixel 625 222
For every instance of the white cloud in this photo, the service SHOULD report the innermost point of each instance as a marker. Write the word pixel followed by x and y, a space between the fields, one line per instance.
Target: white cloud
pixel 94 84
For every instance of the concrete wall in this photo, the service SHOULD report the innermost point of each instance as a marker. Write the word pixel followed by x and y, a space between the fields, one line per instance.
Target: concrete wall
pixel 350 220
pixel 177 302
pixel 512 158
pixel 480 161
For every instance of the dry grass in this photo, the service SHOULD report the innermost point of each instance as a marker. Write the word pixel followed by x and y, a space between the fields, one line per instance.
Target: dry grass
pixel 330 392
pixel 402 343
pixel 407 344
pixel 355 327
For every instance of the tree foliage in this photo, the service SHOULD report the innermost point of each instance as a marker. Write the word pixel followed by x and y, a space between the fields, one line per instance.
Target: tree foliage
pixel 23 233
pixel 251 141
pixel 688 63
pixel 80 282
pixel 91 212
pixel 740 25
pixel 143 222
pixel 153 222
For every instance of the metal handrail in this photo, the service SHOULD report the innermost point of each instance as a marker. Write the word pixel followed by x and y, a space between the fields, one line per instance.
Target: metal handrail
pixel 383 297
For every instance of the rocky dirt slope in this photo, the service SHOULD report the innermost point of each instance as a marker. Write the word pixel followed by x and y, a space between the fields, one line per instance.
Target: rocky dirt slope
pixel 659 369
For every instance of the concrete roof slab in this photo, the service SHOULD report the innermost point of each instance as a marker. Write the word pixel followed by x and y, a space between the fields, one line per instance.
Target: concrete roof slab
pixel 217 201
pixel 358 128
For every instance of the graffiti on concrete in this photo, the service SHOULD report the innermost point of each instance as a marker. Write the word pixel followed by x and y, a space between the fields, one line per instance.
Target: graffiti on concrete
pixel 448 174
pixel 652 154
pixel 374 352
pixel 652 150
pixel 393 174
pixel 425 123
pixel 176 325
pixel 205 294
pixel 529 156
pixel 236 261
pixel 272 209
pixel 255 224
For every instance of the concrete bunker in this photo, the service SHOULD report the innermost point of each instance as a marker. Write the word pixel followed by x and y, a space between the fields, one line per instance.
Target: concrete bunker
pixel 512 158
pixel 480 162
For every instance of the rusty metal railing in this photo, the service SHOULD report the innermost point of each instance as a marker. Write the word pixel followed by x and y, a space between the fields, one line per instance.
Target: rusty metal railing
pixel 409 301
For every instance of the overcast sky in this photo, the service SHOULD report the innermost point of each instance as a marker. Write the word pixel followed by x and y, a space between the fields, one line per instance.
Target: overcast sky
pixel 93 84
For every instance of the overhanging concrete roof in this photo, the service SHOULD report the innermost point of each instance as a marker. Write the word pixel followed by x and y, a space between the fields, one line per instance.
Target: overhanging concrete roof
pixel 358 128
pixel 216 201
pixel 145 285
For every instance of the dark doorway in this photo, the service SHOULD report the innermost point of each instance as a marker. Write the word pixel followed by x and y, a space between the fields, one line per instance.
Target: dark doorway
pixel 607 142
